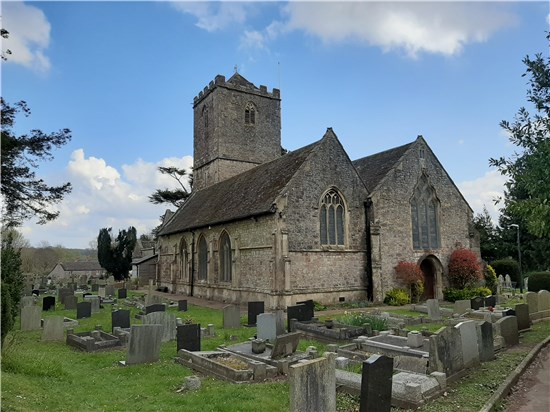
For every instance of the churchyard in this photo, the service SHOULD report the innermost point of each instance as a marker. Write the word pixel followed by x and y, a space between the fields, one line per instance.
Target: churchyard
pixel 69 357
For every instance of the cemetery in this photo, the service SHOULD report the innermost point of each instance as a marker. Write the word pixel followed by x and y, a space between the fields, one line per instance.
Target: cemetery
pixel 401 359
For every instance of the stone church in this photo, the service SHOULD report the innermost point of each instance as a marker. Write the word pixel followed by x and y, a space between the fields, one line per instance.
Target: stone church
pixel 262 224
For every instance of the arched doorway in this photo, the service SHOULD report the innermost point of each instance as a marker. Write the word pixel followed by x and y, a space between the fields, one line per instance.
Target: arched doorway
pixel 432 271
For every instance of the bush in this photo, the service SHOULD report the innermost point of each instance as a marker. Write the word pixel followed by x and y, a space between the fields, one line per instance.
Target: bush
pixel 12 283
pixel 505 267
pixel 464 269
pixel 490 278
pixel 397 297
pixel 539 281
pixel 454 294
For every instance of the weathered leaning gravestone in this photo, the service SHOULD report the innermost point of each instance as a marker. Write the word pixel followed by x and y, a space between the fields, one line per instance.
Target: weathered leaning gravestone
pixel 144 345
pixel 53 329
pixel 231 317
pixel 313 385
pixel 31 318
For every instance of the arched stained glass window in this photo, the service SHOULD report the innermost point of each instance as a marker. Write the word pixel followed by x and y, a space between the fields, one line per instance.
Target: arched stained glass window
pixel 332 219
pixel 203 258
pixel 226 258
pixel 424 216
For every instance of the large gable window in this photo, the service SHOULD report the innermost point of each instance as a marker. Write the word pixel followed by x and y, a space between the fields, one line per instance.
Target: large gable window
pixel 424 216
pixel 250 114
pixel 226 258
pixel 203 258
pixel 332 219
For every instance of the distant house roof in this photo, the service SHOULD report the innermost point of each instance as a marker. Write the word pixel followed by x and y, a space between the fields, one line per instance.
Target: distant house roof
pixel 248 194
pixel 372 169
pixel 139 261
pixel 80 266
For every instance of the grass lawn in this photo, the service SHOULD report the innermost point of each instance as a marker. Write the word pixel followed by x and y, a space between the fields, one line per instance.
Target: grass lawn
pixel 50 376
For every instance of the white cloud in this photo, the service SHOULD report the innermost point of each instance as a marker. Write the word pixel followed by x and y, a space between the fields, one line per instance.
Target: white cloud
pixel 214 16
pixel 252 40
pixel 483 191
pixel 29 35
pixel 103 196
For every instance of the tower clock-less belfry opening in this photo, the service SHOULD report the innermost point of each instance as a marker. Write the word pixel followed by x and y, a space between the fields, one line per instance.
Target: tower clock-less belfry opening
pixel 308 224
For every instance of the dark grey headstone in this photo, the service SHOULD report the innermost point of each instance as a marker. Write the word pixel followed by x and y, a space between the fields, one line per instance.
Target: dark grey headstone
pixel 70 302
pixel 522 315
pixel 310 305
pixel 182 305
pixel 485 341
pixel 188 337
pixel 476 303
pixel 48 303
pixel 301 313
pixel 63 292
pixel 120 318
pixel 86 294
pixel 36 292
pixel 95 287
pixel 490 301
pixel 254 309
pixel 376 383
pixel 508 312
pixel 83 310
pixel 122 293
pixel 157 307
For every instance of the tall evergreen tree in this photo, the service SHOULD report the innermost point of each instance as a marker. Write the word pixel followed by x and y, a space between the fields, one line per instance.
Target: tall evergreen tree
pixel 12 283
pixel 115 255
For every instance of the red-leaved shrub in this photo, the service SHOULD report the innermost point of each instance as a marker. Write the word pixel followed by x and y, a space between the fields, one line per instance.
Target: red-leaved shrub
pixel 411 276
pixel 464 269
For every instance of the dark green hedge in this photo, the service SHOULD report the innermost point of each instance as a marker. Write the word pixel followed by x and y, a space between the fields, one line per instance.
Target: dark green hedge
pixel 453 294
pixel 507 267
pixel 538 281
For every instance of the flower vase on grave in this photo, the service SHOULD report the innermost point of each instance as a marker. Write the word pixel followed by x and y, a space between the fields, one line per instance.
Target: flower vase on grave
pixel 329 323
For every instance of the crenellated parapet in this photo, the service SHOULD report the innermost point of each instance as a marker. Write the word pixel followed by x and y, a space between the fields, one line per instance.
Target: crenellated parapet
pixel 236 82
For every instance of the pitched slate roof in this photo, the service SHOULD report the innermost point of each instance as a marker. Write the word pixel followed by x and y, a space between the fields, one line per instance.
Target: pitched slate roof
pixel 139 261
pixel 248 194
pixel 80 266
pixel 372 169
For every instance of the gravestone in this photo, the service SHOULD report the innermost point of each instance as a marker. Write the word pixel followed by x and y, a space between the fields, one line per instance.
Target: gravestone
pixel 27 301
pixel 182 305
pixel 485 341
pixel 109 290
pixel 95 287
pixel 476 303
pixel 522 316
pixel 544 300
pixel 94 300
pixel 507 282
pixel 468 338
pixel 462 306
pixel 48 303
pixel 63 292
pixel 53 329
pixel 120 318
pixel 490 301
pixel 507 327
pixel 86 294
pixel 144 345
pixel 122 293
pixel 532 300
pixel 433 309
pixel 188 337
pixel 446 351
pixel 166 319
pixel 508 312
pixel 231 317
pixel 267 326
pixel 155 307
pixel 254 309
pixel 300 312
pixel 31 318
pixel 376 384
pixel 101 292
pixel 310 305
pixel 149 296
pixel 83 310
pixel 285 345
pixel 70 302
pixel 312 385
pixel 36 292
pixel 526 284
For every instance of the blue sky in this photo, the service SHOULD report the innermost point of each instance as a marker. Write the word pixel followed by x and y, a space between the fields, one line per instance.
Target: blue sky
pixel 122 76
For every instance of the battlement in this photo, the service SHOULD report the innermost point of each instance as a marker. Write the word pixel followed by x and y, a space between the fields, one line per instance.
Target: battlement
pixel 240 84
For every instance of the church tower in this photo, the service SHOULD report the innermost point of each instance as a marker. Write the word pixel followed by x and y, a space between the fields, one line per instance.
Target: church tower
pixel 237 126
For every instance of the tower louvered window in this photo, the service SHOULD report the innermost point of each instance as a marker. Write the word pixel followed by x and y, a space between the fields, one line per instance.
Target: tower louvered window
pixel 425 216
pixel 332 219
pixel 250 114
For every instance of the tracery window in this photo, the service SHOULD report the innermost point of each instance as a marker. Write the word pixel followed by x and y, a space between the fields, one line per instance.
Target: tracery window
pixel 425 216
pixel 203 258
pixel 184 259
pixel 226 258
pixel 331 216
pixel 250 114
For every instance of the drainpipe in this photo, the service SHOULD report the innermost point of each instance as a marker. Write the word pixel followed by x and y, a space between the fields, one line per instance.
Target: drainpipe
pixel 368 213
pixel 192 274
